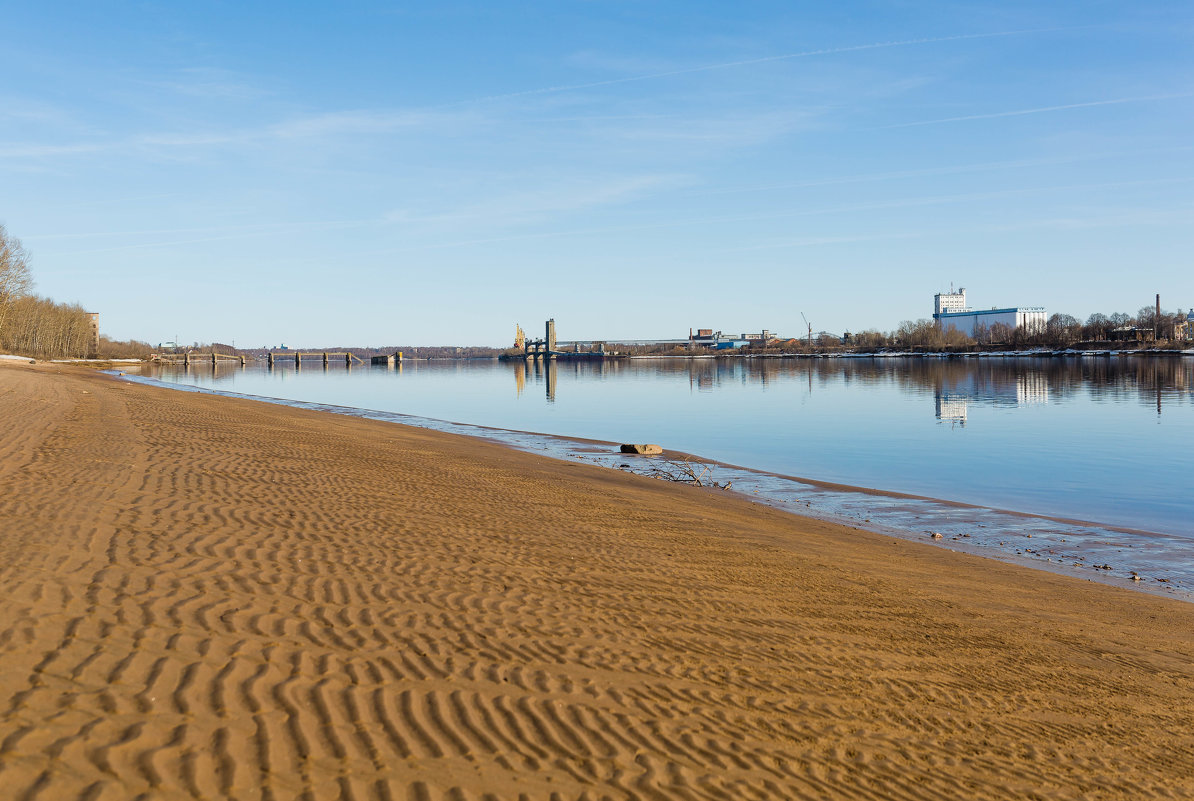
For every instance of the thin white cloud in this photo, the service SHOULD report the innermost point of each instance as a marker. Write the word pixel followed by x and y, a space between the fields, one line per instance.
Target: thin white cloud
pixel 187 140
pixel 985 166
pixel 24 109
pixel 750 61
pixel 208 82
pixel 820 241
pixel 1041 110
pixel 224 234
pixel 331 123
pixel 735 129
pixel 1120 219
pixel 264 227
pixel 380 121
pixel 336 123
pixel 348 122
pixel 521 208
pixel 535 205
pixel 930 200
pixel 17 150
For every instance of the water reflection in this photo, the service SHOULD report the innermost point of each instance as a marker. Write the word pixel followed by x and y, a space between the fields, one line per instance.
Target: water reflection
pixel 954 394
pixel 540 372
pixel 1007 382
pixel 956 384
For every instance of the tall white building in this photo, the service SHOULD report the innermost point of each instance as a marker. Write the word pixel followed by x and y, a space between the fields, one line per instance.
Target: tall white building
pixel 950 303
pixel 951 311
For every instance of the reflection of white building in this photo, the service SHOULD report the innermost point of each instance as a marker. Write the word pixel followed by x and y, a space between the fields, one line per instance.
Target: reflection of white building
pixel 951 311
pixel 952 408
pixel 953 402
pixel 1031 390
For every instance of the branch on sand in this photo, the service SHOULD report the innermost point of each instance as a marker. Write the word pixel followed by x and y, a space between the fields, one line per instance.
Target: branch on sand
pixel 687 471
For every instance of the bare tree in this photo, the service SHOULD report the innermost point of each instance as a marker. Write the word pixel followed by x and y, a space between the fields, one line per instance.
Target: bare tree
pixel 1097 326
pixel 1000 333
pixel 870 339
pixel 1062 329
pixel 15 281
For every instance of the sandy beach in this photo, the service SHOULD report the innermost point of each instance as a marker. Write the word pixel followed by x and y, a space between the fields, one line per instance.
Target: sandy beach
pixel 206 597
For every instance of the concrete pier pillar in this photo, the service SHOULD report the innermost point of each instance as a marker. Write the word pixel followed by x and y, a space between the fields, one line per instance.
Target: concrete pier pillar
pixel 269 359
pixel 325 359
pixel 298 358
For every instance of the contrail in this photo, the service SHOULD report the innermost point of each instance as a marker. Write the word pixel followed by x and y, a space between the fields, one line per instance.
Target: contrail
pixel 746 62
pixel 1041 110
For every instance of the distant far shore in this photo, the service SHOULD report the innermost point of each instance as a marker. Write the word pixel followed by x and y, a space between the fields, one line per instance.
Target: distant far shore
pixel 929 352
pixel 489 354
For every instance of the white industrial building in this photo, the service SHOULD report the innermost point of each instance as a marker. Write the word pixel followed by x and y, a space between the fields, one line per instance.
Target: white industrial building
pixel 951 311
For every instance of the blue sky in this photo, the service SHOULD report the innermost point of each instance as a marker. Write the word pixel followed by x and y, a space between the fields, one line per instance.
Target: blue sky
pixel 371 173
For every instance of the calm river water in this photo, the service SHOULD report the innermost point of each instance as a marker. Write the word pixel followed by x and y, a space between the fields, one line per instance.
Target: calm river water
pixel 1103 439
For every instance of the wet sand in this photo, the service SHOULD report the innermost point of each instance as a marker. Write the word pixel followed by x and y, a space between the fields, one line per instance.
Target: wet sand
pixel 206 597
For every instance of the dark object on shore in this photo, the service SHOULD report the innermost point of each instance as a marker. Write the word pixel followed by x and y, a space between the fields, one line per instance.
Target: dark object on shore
pixel 642 450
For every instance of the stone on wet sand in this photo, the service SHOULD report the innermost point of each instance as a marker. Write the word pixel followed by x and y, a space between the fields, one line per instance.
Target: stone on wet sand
pixel 643 449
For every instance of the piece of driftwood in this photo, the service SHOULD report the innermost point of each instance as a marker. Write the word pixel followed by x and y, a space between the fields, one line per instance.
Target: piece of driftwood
pixel 687 471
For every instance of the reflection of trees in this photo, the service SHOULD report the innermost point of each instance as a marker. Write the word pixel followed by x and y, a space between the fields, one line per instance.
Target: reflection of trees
pixel 1023 379
pixel 999 381
pixel 992 380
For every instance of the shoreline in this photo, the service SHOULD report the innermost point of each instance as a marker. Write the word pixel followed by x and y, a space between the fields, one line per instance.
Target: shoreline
pixel 215 597
pixel 1044 353
pixel 959 522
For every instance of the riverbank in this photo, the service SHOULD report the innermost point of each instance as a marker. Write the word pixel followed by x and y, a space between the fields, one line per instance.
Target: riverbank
pixel 1143 560
pixel 212 597
pixel 924 353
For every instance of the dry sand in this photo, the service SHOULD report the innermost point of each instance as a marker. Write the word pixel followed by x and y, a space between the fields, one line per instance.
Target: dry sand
pixel 206 597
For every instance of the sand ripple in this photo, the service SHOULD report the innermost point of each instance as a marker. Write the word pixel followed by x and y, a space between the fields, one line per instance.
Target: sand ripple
pixel 208 598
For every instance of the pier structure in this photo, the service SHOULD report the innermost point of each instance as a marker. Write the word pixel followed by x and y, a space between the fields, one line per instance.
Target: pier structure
pixel 298 356
pixel 389 360
pixel 188 358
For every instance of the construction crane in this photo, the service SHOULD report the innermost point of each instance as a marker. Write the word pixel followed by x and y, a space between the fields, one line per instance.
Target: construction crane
pixel 810 328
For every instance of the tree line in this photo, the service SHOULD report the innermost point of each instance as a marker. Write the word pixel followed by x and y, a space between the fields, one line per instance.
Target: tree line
pixel 1059 331
pixel 36 326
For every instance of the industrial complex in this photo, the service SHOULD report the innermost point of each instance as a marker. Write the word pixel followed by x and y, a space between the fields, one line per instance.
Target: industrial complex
pixel 951 311
pixel 552 348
